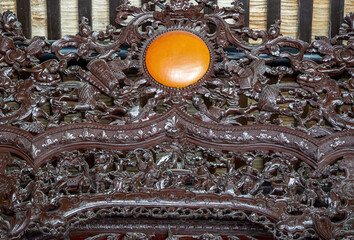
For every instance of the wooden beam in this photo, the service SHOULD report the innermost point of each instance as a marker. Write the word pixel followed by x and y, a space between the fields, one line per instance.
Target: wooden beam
pixel 85 10
pixel 337 14
pixel 273 12
pixel 305 19
pixel 208 9
pixel 246 7
pixel 24 16
pixel 53 19
pixel 113 4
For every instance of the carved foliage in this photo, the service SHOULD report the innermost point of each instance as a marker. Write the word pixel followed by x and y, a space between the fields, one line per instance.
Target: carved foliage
pixel 146 150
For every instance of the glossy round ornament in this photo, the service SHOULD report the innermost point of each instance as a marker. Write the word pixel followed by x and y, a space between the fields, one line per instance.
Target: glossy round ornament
pixel 177 59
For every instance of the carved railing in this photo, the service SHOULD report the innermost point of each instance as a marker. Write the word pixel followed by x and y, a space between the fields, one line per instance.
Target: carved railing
pixel 92 145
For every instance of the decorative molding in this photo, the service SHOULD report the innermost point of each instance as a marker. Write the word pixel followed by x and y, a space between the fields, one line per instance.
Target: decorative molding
pixel 88 138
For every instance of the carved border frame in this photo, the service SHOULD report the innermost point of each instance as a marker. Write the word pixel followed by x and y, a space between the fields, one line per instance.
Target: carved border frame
pixel 310 166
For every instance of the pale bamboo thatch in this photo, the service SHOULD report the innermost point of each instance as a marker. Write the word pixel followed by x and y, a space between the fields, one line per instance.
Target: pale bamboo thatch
pixel 226 3
pixel 136 3
pixel 7 5
pixel 348 6
pixel 69 17
pixel 289 18
pixel 258 16
pixel 100 14
pixel 320 18
pixel 39 17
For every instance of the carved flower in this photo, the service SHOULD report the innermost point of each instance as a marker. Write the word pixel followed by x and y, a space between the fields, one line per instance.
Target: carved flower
pixel 245 137
pixel 171 125
pixel 264 136
pixel 86 135
pixel 121 136
pixel 281 139
pixel 49 141
pixel 68 137
pixel 274 50
pixel 15 56
pixel 336 143
pixel 90 214
pixel 345 55
pixel 303 145
pixel 83 49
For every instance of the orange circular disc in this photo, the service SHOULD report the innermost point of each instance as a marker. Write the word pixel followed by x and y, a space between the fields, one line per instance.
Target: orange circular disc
pixel 177 59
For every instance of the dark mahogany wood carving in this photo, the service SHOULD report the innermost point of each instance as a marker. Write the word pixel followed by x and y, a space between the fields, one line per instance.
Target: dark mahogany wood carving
pixel 91 146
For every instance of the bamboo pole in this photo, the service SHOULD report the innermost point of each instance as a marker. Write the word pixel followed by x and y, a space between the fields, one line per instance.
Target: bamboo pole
pixel 39 18
pixel 8 5
pixel 320 18
pixel 69 17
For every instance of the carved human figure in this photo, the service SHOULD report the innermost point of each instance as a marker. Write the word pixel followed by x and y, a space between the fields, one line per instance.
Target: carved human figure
pixel 103 161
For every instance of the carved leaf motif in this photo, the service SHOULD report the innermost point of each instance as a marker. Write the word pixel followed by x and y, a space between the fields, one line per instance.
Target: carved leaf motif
pixel 171 125
pixel 103 136
pixel 49 141
pixel 86 135
pixel 337 143
pixel 245 137
pixel 282 139
pixel 35 151
pixel 264 136
pixel 323 226
pixel 35 127
pixel 303 145
pixel 67 137
pixel 154 130
pixel 121 136
pixel 218 131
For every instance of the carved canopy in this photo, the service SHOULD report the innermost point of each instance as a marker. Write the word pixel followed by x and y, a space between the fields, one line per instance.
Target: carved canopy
pixel 92 146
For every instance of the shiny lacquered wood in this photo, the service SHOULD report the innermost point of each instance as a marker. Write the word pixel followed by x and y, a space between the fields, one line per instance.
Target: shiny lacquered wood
pixel 92 147
pixel 177 59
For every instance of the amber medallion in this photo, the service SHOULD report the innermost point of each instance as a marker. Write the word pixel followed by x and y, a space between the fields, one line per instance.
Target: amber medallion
pixel 177 59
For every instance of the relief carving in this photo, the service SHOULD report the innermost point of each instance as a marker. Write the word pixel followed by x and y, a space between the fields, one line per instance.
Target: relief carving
pixel 88 137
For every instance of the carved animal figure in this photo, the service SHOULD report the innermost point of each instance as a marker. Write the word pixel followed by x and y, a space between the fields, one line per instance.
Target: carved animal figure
pixel 46 73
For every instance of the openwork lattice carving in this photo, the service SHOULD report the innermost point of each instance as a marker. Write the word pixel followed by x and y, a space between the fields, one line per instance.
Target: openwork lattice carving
pixel 89 138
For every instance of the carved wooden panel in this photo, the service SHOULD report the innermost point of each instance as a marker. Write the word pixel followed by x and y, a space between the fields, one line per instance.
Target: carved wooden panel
pixel 92 147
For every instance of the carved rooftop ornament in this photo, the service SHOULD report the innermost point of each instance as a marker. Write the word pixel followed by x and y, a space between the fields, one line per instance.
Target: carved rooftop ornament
pixel 100 140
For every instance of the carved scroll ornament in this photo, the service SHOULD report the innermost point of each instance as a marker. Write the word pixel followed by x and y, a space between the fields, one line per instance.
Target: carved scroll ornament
pixel 89 137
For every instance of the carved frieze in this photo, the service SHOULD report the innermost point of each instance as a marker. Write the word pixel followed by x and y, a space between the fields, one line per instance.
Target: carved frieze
pixel 89 136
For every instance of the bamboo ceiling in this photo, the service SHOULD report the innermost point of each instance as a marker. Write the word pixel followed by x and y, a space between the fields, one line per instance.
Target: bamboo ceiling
pixel 258 15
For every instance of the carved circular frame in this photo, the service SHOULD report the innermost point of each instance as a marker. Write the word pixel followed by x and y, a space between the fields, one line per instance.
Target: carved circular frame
pixel 173 90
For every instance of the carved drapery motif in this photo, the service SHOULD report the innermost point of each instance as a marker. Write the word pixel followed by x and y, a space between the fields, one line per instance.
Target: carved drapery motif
pixel 88 135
